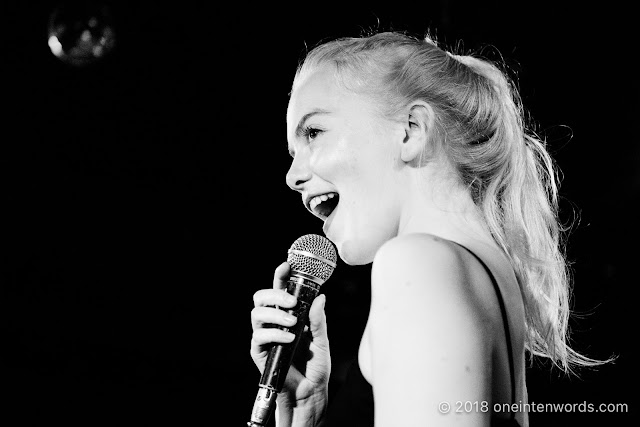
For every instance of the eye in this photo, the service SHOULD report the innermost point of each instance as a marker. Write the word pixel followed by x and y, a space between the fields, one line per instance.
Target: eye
pixel 311 133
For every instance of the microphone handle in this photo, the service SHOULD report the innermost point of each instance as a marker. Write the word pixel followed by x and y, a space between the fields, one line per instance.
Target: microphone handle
pixel 281 355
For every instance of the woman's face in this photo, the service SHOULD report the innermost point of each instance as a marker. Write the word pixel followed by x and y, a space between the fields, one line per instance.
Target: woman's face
pixel 344 151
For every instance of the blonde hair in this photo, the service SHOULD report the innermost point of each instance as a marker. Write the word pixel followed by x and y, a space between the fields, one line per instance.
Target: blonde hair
pixel 506 167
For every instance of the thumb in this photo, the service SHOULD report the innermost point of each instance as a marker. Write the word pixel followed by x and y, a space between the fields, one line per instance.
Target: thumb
pixel 318 318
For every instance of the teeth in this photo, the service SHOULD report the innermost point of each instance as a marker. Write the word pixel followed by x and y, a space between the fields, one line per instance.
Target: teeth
pixel 319 199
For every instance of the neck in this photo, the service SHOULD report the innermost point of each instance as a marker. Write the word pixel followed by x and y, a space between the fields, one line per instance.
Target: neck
pixel 438 204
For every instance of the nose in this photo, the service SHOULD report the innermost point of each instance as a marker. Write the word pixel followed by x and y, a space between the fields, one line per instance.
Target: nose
pixel 299 172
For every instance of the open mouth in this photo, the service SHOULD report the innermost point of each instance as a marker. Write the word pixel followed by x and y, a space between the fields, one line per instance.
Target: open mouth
pixel 324 204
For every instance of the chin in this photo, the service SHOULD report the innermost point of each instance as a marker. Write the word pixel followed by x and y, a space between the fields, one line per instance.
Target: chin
pixel 354 252
pixel 357 242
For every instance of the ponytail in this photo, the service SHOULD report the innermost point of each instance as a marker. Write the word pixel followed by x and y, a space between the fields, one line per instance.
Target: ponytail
pixel 510 175
pixel 514 181
pixel 520 205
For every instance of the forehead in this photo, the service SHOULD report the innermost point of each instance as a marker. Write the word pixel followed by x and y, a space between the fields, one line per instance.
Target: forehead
pixel 318 90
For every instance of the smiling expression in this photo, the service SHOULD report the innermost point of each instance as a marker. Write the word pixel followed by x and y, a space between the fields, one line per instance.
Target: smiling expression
pixel 345 164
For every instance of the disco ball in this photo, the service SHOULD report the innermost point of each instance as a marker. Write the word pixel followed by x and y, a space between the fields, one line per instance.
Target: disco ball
pixel 81 33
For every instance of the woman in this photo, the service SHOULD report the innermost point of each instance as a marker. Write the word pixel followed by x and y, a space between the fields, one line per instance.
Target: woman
pixel 419 162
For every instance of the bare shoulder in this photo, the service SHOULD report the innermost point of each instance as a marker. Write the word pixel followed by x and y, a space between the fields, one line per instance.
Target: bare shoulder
pixel 423 266
pixel 427 326
pixel 422 278
pixel 400 247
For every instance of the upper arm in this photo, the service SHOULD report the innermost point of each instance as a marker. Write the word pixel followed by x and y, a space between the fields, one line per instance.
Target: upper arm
pixel 429 338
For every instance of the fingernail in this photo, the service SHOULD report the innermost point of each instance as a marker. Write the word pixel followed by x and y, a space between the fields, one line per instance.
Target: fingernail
pixel 324 300
pixel 289 318
pixel 290 299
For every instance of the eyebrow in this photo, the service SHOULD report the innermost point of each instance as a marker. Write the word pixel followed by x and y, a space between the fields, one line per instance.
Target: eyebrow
pixel 300 128
pixel 303 120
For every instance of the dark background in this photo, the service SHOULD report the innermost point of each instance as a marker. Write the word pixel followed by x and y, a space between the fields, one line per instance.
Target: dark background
pixel 144 199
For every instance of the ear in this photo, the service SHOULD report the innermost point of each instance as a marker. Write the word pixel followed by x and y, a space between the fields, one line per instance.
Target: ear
pixel 418 127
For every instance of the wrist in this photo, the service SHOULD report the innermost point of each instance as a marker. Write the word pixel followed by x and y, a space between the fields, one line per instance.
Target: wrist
pixel 307 412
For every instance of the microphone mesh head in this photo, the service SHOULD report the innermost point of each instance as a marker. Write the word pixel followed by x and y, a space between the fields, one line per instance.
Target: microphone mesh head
pixel 307 264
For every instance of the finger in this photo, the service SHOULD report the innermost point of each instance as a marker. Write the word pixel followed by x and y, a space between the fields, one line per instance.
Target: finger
pixel 274 297
pixel 317 317
pixel 280 276
pixel 261 316
pixel 263 337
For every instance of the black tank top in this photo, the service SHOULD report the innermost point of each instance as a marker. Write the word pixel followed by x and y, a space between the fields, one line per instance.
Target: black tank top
pixel 352 405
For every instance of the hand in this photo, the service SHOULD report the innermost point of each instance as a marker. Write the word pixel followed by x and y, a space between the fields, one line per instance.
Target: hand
pixel 311 367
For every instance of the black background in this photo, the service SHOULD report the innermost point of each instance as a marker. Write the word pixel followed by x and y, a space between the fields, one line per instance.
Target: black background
pixel 144 199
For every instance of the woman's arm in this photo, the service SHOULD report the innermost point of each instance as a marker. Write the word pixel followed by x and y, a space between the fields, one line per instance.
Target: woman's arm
pixel 307 413
pixel 430 339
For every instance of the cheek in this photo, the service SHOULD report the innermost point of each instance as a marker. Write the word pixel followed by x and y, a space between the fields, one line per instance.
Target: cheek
pixel 358 165
pixel 333 161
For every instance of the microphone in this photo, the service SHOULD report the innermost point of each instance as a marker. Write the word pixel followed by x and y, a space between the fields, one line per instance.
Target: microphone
pixel 312 259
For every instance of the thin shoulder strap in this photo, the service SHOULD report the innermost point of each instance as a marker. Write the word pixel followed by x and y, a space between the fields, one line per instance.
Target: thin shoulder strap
pixel 505 322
